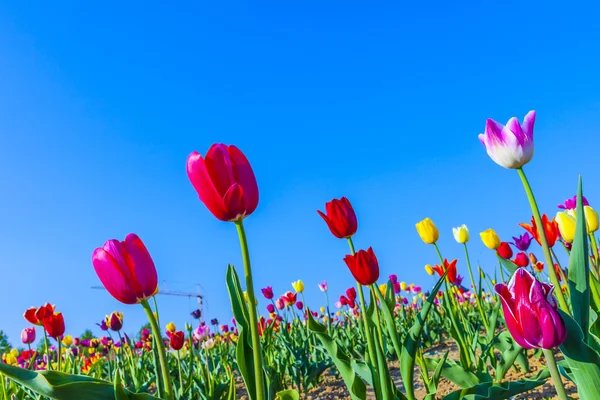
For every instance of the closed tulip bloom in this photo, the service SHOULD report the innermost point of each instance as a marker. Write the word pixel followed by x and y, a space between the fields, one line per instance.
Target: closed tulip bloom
pixel 115 321
pixel 270 308
pixel 591 219
pixel 298 286
pixel 28 335
pixel 521 260
pixel 530 312
pixel 323 287
pixel 224 182
pixel 383 289
pixel 490 239
pixel 403 286
pixel 364 266
pixel 393 278
pixel 550 229
pixel 509 146
pixel 428 231
pixel 505 251
pixel 280 304
pixel 171 327
pixel 566 226
pixel 177 340
pixel 267 292
pixel 55 325
pixel 429 270
pixel 461 234
pixel 340 218
pixel 126 269
pixel 299 305
pixel 67 341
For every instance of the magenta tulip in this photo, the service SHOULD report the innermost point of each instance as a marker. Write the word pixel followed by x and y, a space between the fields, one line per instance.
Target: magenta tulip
pixel 28 335
pixel 126 269
pixel 530 312
pixel 224 182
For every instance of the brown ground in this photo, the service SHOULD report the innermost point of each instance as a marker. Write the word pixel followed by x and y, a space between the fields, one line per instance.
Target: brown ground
pixel 333 388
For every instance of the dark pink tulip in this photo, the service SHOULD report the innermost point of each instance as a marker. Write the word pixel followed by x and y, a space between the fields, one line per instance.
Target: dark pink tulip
pixel 28 335
pixel 270 308
pixel 530 312
pixel 224 181
pixel 126 269
pixel 267 292
pixel 299 305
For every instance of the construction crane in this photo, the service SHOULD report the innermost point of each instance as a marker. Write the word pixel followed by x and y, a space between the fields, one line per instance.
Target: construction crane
pixel 197 314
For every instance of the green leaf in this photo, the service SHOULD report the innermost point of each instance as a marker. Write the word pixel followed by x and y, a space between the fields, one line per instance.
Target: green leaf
pixel 509 265
pixel 61 386
pixel 388 315
pixel 411 342
pixel 505 390
pixel 454 372
pixel 579 270
pixel 355 385
pixel 583 361
pixel 287 395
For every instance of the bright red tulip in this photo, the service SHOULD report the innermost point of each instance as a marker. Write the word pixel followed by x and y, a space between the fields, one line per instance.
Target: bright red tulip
pixel 521 260
pixel 364 266
pixel 530 312
pixel 505 251
pixel 289 298
pixel 340 218
pixel 550 228
pixel 451 266
pixel 224 181
pixel 55 325
pixel 126 269
pixel 36 315
pixel 176 340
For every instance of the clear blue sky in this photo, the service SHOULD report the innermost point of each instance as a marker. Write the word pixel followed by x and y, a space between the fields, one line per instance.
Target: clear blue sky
pixel 100 106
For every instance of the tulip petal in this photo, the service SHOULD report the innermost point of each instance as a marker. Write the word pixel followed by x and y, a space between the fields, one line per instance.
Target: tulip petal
pixel 202 182
pixel 235 202
pixel 220 168
pixel 112 277
pixel 141 265
pixel 509 315
pixel 244 175
pixel 527 126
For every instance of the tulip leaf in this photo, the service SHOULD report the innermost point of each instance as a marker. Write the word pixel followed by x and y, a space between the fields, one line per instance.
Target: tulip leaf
pixel 411 342
pixel 583 361
pixel 579 270
pixel 509 265
pixel 388 315
pixel 495 391
pixel 354 383
pixel 287 395
pixel 454 372
pixel 60 386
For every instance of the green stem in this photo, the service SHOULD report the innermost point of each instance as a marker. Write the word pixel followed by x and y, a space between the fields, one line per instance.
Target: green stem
pixel 58 353
pixel 160 347
pixel 48 359
pixel 595 251
pixel 543 241
pixel 377 318
pixel 179 368
pixel 256 351
pixel 363 312
pixel 562 273
pixel 558 384
pixel 2 379
pixel 475 289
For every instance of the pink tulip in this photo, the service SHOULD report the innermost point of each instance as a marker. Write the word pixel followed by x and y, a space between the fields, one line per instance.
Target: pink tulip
pixel 28 335
pixel 224 181
pixel 126 269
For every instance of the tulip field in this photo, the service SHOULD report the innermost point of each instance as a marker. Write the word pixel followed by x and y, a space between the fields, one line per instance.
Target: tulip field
pixel 530 330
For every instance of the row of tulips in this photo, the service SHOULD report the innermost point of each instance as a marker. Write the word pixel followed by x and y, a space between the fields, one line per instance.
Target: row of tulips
pixel 289 350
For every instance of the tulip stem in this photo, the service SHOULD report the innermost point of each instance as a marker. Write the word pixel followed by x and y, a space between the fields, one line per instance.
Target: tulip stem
pixel 475 289
pixel 256 351
pixel 595 252
pixel 160 347
pixel 543 241
pixel 48 362
pixel 558 384
pixel 363 311
pixel 58 341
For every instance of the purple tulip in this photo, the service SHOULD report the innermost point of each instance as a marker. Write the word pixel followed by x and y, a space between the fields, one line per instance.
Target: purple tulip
pixel 201 332
pixel 458 280
pixel 299 305
pixel 397 288
pixel 267 292
pixel 509 146
pixel 224 328
pixel 323 286
pixel 103 325
pixel 196 314
pixel 393 278
pixel 530 312
pixel 571 204
pixel 522 242
pixel 270 308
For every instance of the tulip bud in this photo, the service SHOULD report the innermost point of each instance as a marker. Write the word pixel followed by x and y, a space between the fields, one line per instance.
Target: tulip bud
pixel 176 340
pixel 429 270
pixel 461 234
pixel 383 289
pixel 530 311
pixel 270 308
pixel 428 231
pixel 591 219
pixel 566 226
pixel 171 327
pixel 115 321
pixel 340 218
pixel 490 239
pixel 504 251
pixel 267 292
pixel 298 286
pixel 364 266
pixel 521 260
pixel 28 335
pixel 67 341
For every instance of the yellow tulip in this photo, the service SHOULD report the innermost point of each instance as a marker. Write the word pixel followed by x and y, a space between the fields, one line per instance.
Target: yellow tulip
pixel 338 313
pixel 591 218
pixel 322 309
pixel 461 234
pixel 383 289
pixel 403 286
pixel 429 270
pixel 566 226
pixel 171 327
pixel 428 232
pixel 298 286
pixel 490 238
pixel 67 341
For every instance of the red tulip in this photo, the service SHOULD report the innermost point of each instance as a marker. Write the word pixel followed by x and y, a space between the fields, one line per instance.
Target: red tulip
pixel 224 181
pixel 521 260
pixel 530 312
pixel 550 228
pixel 176 340
pixel 505 251
pixel 351 293
pixel 36 315
pixel 340 218
pixel 451 266
pixel 55 325
pixel 364 266
pixel 115 321
pixel 289 298
pixel 126 269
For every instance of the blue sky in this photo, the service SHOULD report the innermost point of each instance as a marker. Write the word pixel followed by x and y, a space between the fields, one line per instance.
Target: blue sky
pixel 382 103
